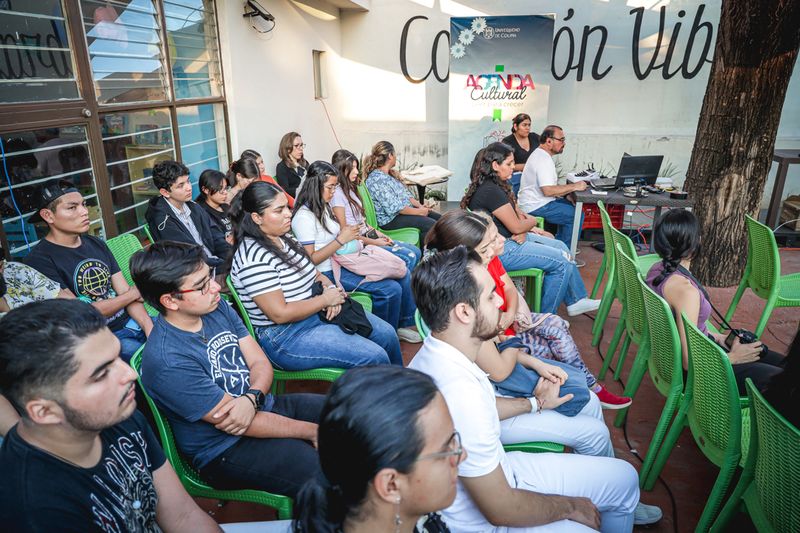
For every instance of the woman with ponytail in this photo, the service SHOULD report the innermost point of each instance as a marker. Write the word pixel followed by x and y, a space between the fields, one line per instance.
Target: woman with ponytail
pixel 274 276
pixel 676 239
pixel 394 206
pixel 526 245
pixel 322 236
pixel 389 454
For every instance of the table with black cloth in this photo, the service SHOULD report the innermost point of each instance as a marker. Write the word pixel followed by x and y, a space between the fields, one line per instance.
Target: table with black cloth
pixel 616 197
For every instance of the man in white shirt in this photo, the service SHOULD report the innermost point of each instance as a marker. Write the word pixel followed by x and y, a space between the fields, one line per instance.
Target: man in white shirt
pixel 496 491
pixel 539 192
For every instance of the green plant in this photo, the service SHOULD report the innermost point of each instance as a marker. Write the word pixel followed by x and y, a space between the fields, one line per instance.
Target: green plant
pixel 437 194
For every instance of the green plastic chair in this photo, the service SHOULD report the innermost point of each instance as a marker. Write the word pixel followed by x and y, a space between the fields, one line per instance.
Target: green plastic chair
pixel 635 326
pixel 122 248
pixel 534 278
pixel 665 366
pixel 146 229
pixel 407 235
pixel 188 475
pixel 617 237
pixel 281 376
pixel 528 447
pixel 770 484
pixel 763 276
pixel 715 414
pixel 611 290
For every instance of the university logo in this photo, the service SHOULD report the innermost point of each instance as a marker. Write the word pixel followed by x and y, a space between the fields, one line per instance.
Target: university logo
pixel 488 32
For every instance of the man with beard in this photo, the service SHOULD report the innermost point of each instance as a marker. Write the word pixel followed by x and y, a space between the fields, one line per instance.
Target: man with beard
pixel 81 458
pixel 539 192
pixel 516 492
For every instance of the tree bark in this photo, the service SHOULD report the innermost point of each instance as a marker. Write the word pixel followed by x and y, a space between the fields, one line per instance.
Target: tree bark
pixel 756 49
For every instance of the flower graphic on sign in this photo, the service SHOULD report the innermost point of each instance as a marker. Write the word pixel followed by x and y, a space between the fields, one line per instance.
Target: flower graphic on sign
pixel 478 25
pixel 466 37
pixel 457 50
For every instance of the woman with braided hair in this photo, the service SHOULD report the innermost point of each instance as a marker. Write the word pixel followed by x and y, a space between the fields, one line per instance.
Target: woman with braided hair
pixel 526 245
pixel 676 239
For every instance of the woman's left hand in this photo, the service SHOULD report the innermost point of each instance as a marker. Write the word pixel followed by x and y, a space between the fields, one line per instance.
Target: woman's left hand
pixel 506 319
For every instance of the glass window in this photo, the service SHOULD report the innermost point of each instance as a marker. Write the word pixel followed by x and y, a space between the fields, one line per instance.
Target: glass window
pixel 133 143
pixel 193 48
pixel 31 158
pixel 35 58
pixel 203 144
pixel 125 49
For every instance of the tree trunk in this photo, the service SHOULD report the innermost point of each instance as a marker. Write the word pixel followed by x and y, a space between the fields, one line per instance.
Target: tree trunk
pixel 755 52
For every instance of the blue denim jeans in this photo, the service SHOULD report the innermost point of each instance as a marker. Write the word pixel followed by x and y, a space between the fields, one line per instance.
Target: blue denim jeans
pixel 562 280
pixel 522 380
pixel 131 338
pixel 407 252
pixel 312 343
pixel 562 213
pixel 392 299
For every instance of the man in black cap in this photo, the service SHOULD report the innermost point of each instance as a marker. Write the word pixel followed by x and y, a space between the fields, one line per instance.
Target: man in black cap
pixel 85 266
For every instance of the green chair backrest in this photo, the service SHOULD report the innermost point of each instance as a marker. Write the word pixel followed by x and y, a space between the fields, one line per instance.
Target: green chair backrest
pixel 765 272
pixel 715 413
pixel 369 207
pixel 122 248
pixel 666 359
pixel 240 307
pixel 635 319
pixel 608 242
pixel 774 461
pixel 146 229
pixel 422 327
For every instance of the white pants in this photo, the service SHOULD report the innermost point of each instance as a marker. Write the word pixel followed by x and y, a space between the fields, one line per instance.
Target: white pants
pixel 611 484
pixel 586 432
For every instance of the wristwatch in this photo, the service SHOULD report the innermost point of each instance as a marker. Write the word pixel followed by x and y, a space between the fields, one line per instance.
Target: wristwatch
pixel 258 402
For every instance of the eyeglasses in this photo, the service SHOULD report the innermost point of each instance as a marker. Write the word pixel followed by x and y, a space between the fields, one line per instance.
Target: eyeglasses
pixel 204 288
pixel 301 145
pixel 329 187
pixel 562 139
pixel 453 446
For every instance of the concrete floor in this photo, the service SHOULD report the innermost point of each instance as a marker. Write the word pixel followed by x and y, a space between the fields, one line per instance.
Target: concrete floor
pixel 688 477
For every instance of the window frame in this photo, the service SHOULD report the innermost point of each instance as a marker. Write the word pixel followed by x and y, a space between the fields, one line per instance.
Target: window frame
pixel 86 110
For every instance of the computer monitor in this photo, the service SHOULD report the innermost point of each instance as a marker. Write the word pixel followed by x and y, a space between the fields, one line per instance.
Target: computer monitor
pixel 638 170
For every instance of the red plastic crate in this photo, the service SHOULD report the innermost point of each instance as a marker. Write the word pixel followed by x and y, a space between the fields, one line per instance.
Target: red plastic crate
pixel 591 216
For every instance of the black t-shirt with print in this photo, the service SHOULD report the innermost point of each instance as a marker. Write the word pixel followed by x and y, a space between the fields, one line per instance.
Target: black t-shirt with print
pixel 40 492
pixel 488 197
pixel 221 218
pixel 85 270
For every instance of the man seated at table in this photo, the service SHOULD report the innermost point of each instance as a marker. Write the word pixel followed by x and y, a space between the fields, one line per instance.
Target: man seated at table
pixel 539 192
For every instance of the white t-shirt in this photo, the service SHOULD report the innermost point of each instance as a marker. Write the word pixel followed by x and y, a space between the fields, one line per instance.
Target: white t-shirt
pixel 352 217
pixel 470 397
pixel 309 230
pixel 256 271
pixel 539 171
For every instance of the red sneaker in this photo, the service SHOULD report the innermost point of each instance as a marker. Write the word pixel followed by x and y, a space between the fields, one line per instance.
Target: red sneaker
pixel 612 401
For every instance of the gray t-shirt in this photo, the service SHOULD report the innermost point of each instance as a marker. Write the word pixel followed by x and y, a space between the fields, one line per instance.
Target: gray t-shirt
pixel 187 377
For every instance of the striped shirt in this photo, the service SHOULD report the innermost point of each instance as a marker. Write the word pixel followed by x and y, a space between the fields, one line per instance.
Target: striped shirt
pixel 256 271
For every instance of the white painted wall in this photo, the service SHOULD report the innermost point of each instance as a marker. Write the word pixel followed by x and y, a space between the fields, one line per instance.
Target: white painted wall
pixel 270 86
